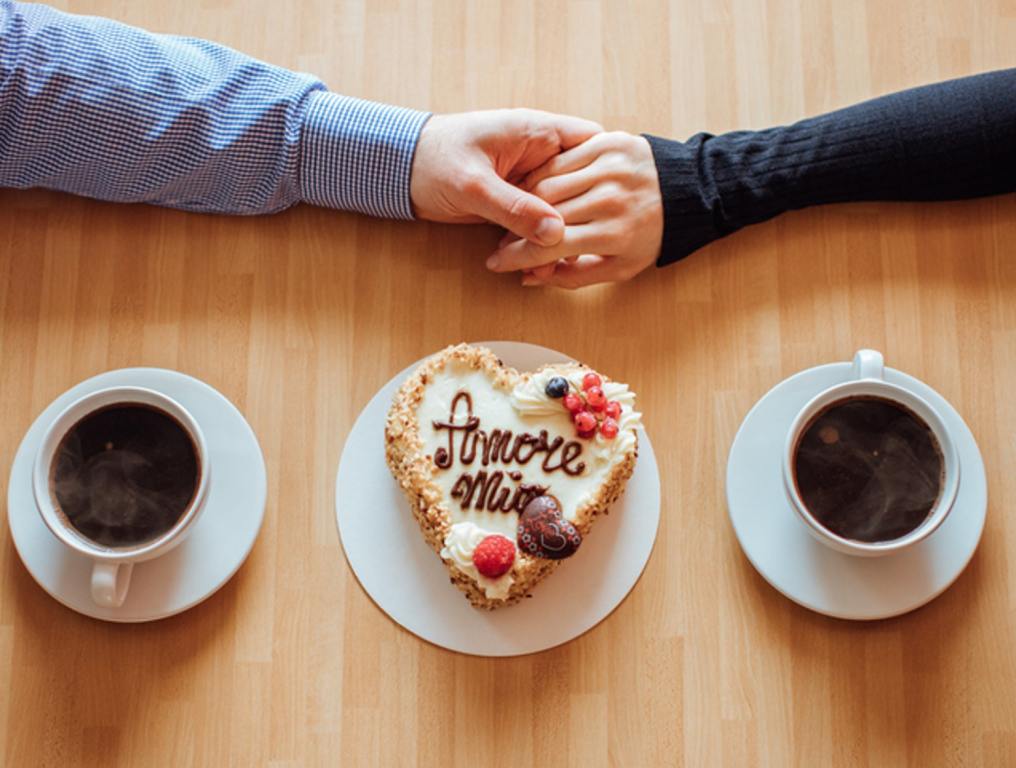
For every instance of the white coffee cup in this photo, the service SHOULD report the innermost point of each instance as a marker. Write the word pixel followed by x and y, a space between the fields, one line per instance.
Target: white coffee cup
pixel 869 380
pixel 112 566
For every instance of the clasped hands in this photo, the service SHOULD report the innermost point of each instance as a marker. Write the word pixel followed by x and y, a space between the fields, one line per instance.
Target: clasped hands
pixel 580 206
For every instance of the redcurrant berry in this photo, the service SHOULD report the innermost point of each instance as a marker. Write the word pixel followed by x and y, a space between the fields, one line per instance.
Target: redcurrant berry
pixel 585 421
pixel 613 410
pixel 596 399
pixel 590 380
pixel 574 403
pixel 608 428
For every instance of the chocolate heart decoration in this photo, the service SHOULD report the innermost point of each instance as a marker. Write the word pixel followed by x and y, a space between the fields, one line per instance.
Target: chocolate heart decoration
pixel 543 532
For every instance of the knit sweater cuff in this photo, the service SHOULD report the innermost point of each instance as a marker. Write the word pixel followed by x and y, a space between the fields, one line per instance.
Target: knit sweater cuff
pixel 689 219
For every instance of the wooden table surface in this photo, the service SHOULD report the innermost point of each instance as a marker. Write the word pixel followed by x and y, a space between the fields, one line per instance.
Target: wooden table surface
pixel 299 318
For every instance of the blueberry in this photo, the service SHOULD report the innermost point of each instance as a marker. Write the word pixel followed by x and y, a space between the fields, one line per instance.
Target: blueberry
pixel 557 387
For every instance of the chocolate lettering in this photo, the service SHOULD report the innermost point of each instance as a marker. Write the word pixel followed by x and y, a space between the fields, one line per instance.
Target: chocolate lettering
pixel 445 457
pixel 522 442
pixel 571 452
pixel 486 485
pixel 485 489
pixel 498 447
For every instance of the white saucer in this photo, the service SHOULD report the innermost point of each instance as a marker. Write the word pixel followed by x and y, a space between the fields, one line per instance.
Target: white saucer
pixel 217 546
pixel 810 573
pixel 407 580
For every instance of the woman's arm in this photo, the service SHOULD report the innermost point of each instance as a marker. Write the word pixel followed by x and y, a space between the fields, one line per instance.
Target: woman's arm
pixel 635 200
pixel 946 141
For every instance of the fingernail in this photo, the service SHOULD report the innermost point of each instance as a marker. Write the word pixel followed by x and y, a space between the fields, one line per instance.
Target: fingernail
pixel 493 262
pixel 549 231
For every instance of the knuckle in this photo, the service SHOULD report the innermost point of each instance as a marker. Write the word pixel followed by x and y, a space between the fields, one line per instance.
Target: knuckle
pixel 624 237
pixel 614 232
pixel 626 141
pixel 618 206
pixel 617 166
pixel 541 133
pixel 616 139
pixel 611 198
pixel 518 209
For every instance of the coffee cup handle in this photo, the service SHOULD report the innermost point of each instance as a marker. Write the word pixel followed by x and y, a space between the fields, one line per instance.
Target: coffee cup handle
pixel 110 582
pixel 868 364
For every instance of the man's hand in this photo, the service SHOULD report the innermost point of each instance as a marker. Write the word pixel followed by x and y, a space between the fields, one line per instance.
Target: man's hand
pixel 466 167
pixel 608 192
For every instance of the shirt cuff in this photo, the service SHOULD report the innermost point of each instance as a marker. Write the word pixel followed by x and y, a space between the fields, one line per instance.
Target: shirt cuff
pixel 357 155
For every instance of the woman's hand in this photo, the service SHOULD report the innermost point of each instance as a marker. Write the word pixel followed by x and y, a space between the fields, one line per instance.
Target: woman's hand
pixel 608 193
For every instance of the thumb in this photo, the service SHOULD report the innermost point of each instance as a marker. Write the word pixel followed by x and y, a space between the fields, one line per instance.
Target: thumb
pixel 519 212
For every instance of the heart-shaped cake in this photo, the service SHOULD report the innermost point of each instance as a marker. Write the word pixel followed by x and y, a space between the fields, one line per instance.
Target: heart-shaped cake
pixel 506 471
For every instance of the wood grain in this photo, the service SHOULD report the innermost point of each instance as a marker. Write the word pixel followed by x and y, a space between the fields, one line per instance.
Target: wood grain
pixel 299 318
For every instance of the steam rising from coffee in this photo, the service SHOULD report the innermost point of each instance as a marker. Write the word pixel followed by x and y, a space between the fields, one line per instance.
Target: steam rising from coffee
pixel 868 469
pixel 125 474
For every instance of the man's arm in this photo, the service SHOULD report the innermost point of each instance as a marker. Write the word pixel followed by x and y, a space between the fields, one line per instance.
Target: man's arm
pixel 97 108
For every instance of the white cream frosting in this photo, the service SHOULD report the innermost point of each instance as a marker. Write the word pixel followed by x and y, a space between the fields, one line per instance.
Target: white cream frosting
pixel 531 400
pixel 459 545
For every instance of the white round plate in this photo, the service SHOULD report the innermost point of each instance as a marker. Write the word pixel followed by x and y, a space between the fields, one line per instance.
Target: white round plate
pixel 810 573
pixel 213 551
pixel 401 573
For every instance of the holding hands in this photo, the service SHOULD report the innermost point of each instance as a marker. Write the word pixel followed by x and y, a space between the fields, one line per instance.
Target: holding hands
pixel 468 167
pixel 608 194
pixel 580 206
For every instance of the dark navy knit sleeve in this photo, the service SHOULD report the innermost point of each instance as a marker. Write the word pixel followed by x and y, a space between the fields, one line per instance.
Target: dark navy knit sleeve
pixel 946 141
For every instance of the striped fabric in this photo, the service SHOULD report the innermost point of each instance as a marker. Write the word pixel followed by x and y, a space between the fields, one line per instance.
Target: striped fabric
pixel 97 108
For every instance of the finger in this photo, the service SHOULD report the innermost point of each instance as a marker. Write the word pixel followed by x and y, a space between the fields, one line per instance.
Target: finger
pixel 598 204
pixel 507 237
pixel 571 131
pixel 559 188
pixel 587 270
pixel 585 238
pixel 519 212
pixel 542 135
pixel 566 162
pixel 544 271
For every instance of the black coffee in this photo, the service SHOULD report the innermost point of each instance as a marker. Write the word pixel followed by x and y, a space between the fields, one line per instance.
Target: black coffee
pixel 868 469
pixel 125 474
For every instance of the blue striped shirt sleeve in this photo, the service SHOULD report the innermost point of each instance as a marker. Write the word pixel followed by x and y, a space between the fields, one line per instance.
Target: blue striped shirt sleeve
pixel 97 108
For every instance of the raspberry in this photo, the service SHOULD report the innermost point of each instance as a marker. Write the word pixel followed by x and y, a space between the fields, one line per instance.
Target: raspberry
pixel 494 556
